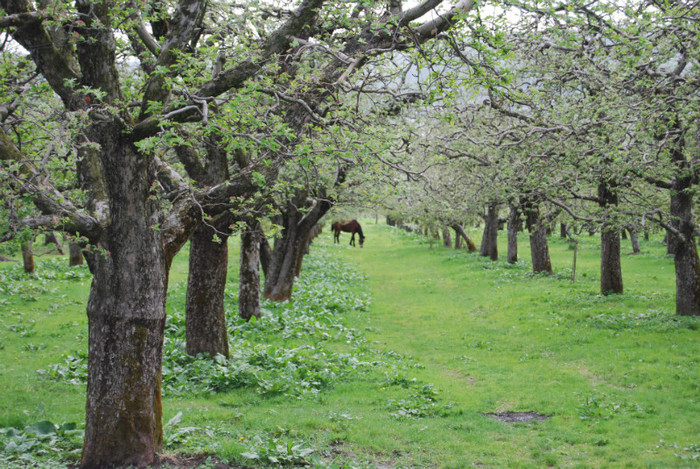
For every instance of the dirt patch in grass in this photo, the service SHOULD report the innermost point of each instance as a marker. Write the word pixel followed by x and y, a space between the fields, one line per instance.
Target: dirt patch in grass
pixel 517 416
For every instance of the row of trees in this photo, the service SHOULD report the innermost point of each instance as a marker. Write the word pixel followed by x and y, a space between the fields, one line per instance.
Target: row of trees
pixel 583 112
pixel 137 125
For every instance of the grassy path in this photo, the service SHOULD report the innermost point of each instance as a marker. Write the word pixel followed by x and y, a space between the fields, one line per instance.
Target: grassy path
pixel 450 337
pixel 617 375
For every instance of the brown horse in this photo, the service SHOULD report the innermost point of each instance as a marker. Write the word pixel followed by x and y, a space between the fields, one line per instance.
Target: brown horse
pixel 348 226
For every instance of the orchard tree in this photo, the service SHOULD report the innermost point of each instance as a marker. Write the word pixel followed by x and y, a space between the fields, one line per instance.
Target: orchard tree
pixel 138 207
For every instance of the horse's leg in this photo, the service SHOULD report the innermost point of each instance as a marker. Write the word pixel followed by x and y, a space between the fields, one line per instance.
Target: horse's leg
pixel 352 239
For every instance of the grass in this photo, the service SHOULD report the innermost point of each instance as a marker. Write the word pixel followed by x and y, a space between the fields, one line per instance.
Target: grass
pixel 447 338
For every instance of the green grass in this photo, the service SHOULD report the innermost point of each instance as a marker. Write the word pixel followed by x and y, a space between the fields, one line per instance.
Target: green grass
pixel 448 337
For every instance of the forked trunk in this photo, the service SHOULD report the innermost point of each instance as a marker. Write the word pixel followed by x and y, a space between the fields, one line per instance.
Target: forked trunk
pixel 289 249
pixel 489 242
pixel 249 278
pixel 205 315
pixel 514 225
pixel 126 315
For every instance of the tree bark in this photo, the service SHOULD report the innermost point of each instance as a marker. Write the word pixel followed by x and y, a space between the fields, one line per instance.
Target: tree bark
pixel 288 250
pixel 459 229
pixel 610 264
pixel 562 230
pixel 126 314
pixel 489 241
pixel 249 278
pixel 686 259
pixel 205 317
pixel 204 311
pixel 610 267
pixel 539 249
pixel 446 237
pixel 28 257
pixel 52 238
pixel 75 255
pixel 514 226
pixel 634 240
pixel 265 254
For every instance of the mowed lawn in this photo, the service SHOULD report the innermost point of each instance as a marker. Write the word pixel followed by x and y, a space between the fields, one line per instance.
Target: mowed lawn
pixel 617 376
pixel 450 338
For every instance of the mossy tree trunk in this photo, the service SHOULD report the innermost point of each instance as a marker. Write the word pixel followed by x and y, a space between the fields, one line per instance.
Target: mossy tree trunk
pixel 126 314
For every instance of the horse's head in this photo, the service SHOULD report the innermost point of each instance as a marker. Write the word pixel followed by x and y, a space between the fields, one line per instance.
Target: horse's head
pixel 362 241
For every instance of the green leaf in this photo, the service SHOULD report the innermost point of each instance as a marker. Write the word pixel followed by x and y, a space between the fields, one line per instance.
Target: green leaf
pixel 41 428
pixel 174 421
pixel 250 455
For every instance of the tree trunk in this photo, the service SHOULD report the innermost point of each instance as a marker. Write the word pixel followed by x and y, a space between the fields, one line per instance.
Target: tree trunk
pixel 446 237
pixel 634 240
pixel 206 282
pixel 539 249
pixel 686 259
pixel 265 254
pixel 288 250
pixel 52 238
pixel 460 230
pixel 75 255
pixel 205 321
pixel 670 239
pixel 28 257
pixel 610 264
pixel 610 267
pixel 458 240
pixel 562 230
pixel 126 314
pixel 489 241
pixel 249 278
pixel 514 225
